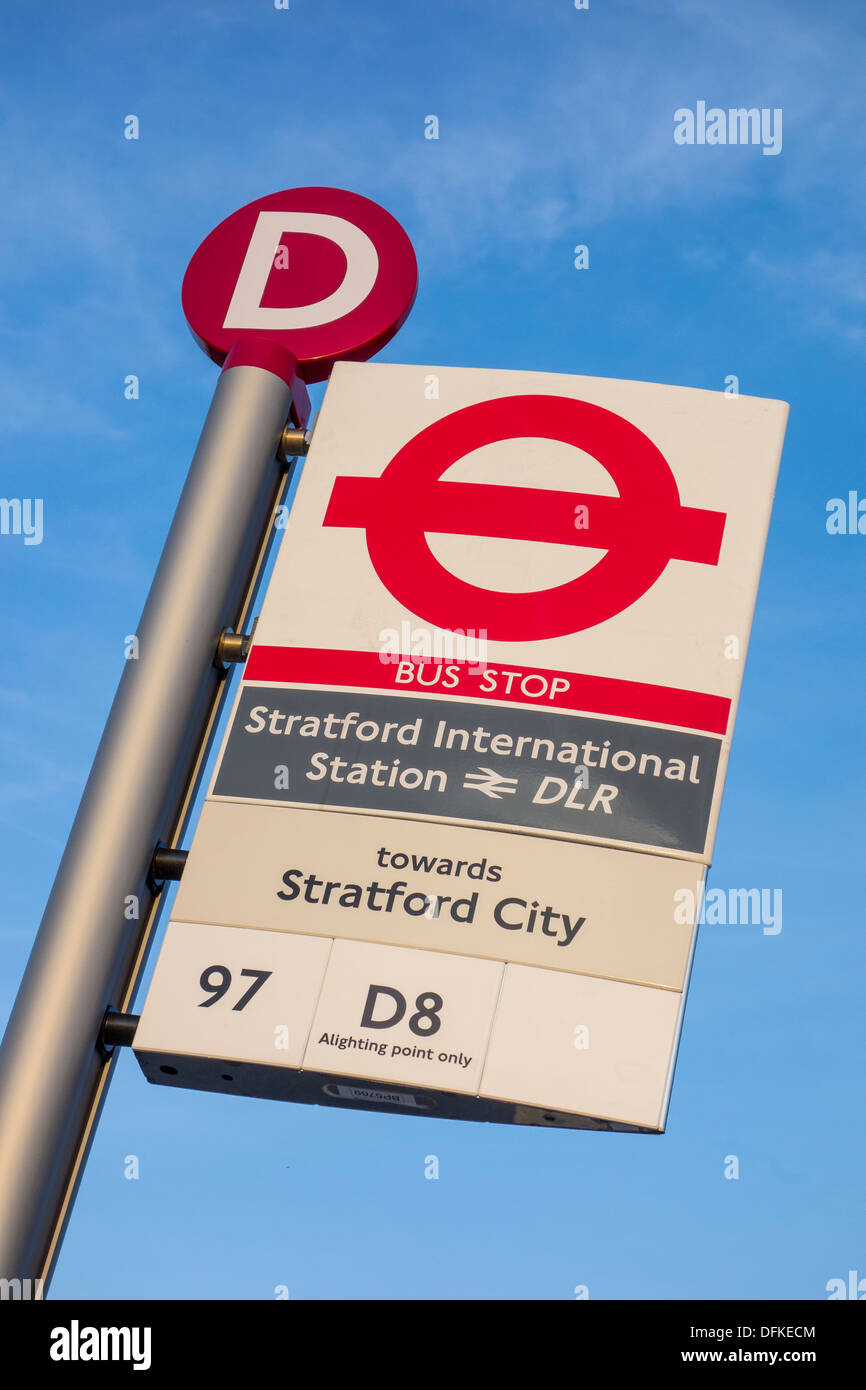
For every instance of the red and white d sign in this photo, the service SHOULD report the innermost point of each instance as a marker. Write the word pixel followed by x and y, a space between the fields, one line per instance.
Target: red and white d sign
pixel 323 272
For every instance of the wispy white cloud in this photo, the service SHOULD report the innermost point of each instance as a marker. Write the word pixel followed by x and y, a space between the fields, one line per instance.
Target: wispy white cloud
pixel 830 287
pixel 32 402
pixel 591 141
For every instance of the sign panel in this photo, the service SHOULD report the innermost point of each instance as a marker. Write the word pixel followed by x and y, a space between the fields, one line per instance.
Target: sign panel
pixel 443 888
pixel 463 761
pixel 484 727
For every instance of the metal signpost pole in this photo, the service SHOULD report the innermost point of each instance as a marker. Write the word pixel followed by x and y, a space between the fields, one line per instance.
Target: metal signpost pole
pixel 55 1061
pixel 92 943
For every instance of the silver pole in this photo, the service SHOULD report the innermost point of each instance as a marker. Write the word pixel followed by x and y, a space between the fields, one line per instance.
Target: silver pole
pixel 89 953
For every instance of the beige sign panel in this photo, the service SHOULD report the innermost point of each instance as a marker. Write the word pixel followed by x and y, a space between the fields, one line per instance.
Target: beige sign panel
pixel 481 738
pixel 422 1018
pixel 443 888
pixel 241 996
pixel 595 1046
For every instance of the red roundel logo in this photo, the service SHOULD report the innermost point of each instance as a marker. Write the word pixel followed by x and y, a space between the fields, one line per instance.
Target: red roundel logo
pixel 323 272
pixel 641 530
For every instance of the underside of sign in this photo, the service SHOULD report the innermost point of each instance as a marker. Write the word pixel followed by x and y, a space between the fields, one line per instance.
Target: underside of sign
pixel 367 1026
pixel 455 844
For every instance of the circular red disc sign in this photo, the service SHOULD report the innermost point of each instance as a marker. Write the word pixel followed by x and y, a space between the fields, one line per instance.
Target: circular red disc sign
pixel 320 271
pixel 641 529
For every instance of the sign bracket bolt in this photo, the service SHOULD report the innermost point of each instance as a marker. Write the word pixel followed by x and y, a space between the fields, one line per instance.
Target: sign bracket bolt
pixel 167 864
pixel 293 444
pixel 118 1030
pixel 232 647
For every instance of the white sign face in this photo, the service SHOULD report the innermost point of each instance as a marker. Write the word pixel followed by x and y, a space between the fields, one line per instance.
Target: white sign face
pixel 487 715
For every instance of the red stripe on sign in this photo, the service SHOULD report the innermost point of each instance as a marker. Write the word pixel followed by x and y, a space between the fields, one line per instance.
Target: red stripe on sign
pixel 533 514
pixel 525 685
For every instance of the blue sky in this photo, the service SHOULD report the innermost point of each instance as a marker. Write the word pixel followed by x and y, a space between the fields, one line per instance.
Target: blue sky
pixel 556 128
